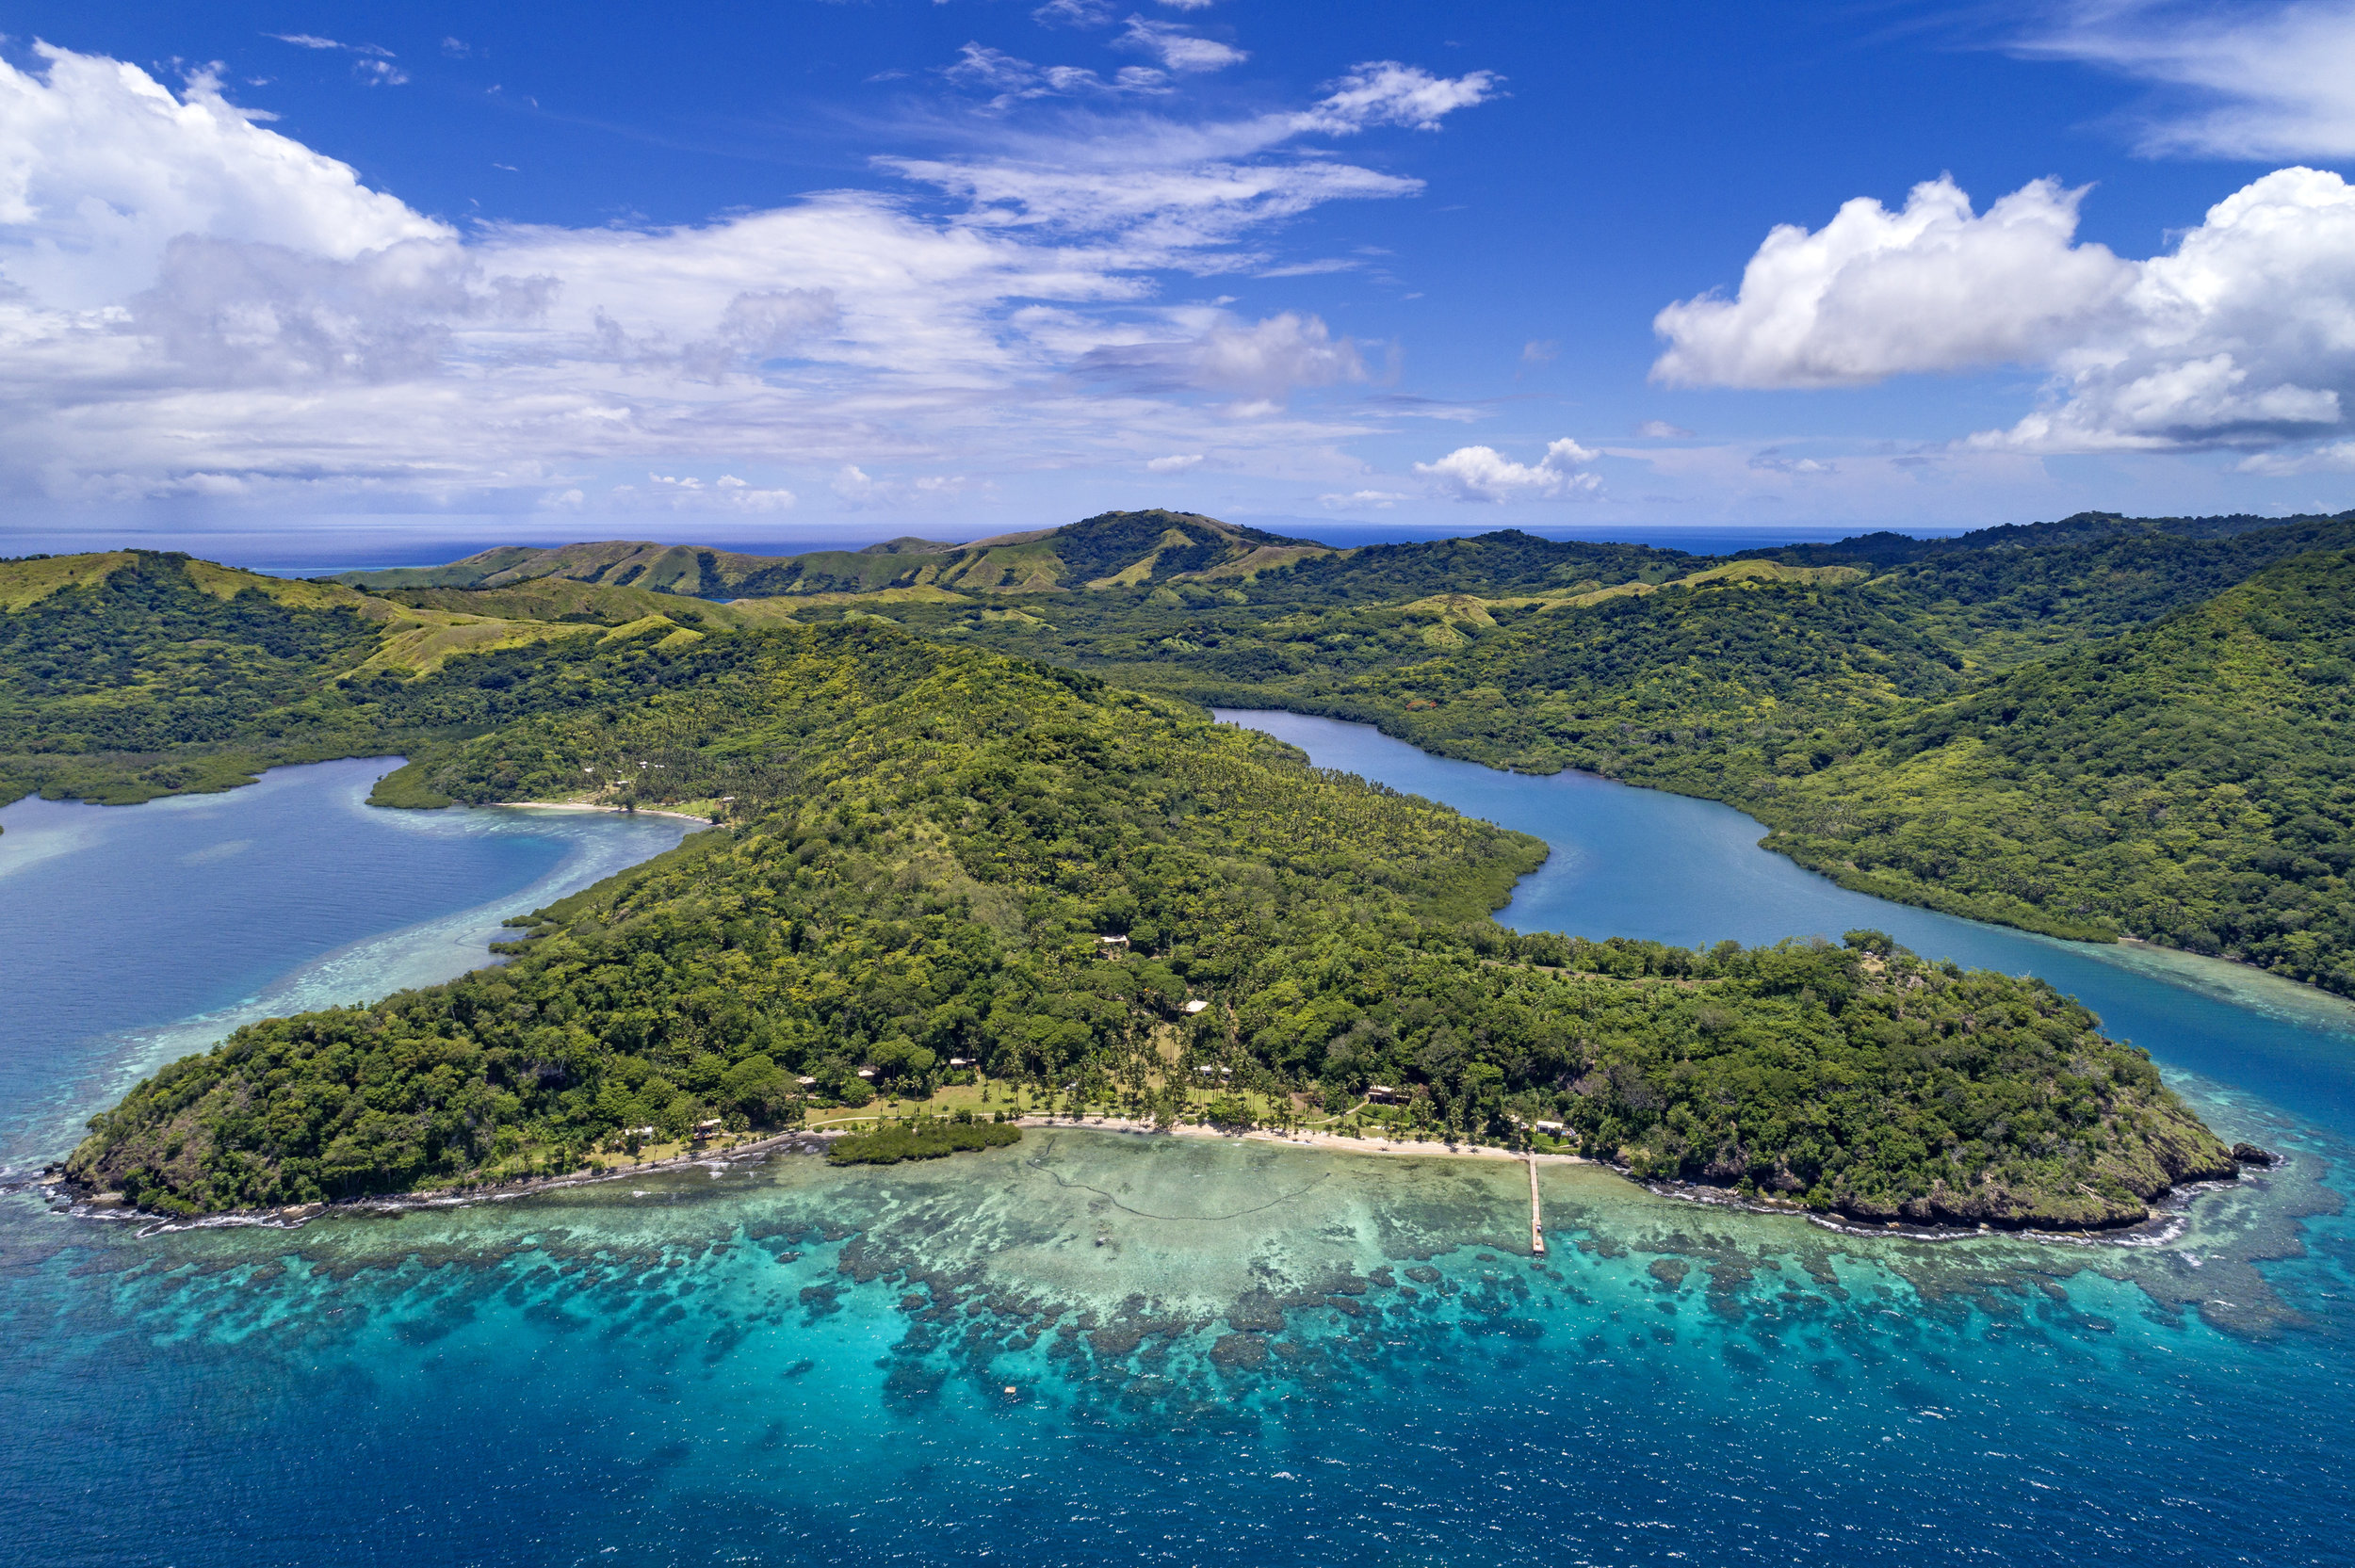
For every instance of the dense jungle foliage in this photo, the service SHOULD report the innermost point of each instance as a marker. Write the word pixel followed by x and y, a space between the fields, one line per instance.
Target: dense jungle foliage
pixel 1864 699
pixel 2194 783
pixel 2074 657
pixel 144 684
pixel 931 1137
pixel 935 844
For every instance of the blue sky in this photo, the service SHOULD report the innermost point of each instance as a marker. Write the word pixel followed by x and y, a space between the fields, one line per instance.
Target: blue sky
pixel 395 275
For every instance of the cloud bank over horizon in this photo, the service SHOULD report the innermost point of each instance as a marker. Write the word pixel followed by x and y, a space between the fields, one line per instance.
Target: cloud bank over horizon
pixel 202 305
pixel 1006 266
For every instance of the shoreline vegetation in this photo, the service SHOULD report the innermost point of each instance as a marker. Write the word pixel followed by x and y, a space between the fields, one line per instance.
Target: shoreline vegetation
pixel 826 1140
pixel 989 833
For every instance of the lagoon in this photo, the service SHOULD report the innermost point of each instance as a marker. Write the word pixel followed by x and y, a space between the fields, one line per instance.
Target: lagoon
pixel 1281 1355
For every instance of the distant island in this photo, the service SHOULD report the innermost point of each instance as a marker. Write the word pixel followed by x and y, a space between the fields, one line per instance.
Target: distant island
pixel 972 813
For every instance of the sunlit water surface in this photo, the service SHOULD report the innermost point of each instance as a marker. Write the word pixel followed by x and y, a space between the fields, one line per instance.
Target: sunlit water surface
pixel 1094 1348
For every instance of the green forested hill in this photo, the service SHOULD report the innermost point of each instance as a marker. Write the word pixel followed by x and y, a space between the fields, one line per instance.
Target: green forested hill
pixel 933 841
pixel 1818 705
pixel 2193 783
pixel 1795 682
pixel 2002 604
pixel 137 673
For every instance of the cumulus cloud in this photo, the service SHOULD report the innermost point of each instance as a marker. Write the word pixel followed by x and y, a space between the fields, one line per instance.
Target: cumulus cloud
pixel 2265 81
pixel 1381 500
pixel 2243 336
pixel 1176 462
pixel 1875 293
pixel 1660 430
pixel 101 167
pixel 1483 474
pixel 193 303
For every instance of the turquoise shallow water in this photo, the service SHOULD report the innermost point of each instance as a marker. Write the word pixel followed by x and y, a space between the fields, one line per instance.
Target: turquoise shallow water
pixel 1278 1355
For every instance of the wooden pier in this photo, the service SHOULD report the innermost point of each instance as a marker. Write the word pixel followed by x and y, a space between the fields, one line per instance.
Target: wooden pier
pixel 1536 1216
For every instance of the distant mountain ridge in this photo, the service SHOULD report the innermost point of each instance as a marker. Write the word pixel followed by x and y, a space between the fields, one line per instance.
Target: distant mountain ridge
pixel 1115 549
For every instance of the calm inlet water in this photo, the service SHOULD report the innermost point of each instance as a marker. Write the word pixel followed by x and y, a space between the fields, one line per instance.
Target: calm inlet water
pixel 1278 1355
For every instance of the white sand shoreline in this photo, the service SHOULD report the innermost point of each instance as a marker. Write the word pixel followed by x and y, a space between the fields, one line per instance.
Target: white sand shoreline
pixel 618 810
pixel 1307 1139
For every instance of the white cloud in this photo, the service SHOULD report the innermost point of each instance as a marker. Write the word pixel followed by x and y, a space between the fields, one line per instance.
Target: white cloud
pixel 1772 462
pixel 1176 462
pixel 686 492
pixel 861 492
pixel 1876 293
pixel 2243 336
pixel 1012 80
pixel 1384 92
pixel 313 40
pixel 1167 213
pixel 1381 500
pixel 375 66
pixel 2264 81
pixel 1483 474
pixel 1323 266
pixel 1172 190
pixel 1660 430
pixel 2337 457
pixel 1264 360
pixel 1073 13
pixel 101 167
pixel 1540 351
pixel 1189 5
pixel 1178 49
pixel 192 302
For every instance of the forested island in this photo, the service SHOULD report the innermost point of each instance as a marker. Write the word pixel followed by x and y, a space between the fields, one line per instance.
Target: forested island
pixel 970 809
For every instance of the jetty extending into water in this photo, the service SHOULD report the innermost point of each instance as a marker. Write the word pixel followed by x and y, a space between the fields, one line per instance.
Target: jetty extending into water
pixel 1536 1215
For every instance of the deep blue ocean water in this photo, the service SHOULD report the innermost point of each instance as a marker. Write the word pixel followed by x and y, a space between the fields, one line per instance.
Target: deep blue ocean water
pixel 1096 1348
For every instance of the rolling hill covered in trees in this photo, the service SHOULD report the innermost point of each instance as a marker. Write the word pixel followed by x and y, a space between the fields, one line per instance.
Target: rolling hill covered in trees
pixel 2039 725
pixel 933 843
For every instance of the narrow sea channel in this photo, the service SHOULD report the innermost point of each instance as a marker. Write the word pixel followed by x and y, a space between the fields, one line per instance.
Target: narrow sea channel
pixel 1275 1355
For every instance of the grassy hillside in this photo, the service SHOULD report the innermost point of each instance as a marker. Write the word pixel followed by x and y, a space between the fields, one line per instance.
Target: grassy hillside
pixel 1112 550
pixel 935 841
